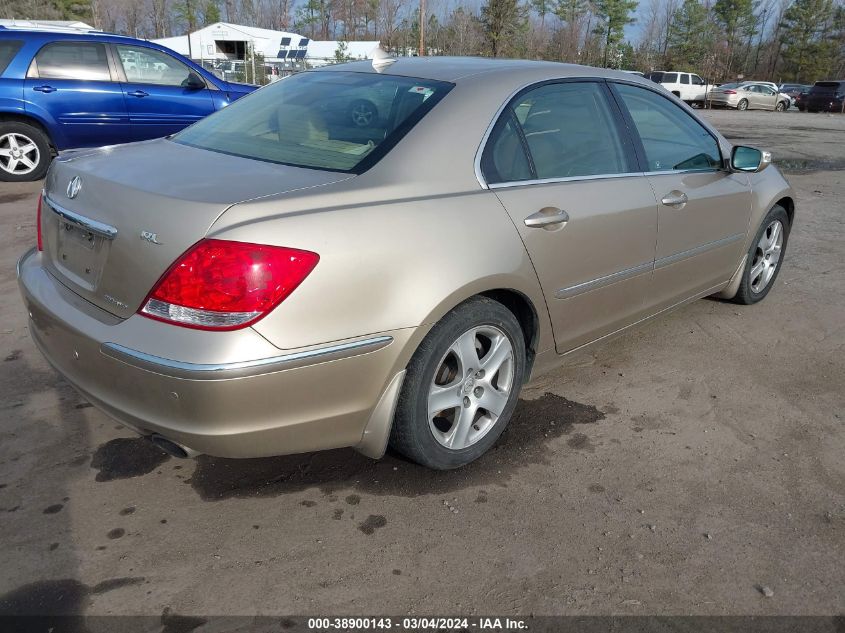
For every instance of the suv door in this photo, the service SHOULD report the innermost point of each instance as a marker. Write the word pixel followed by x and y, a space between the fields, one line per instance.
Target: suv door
pixel 163 95
pixel 563 166
pixel 703 209
pixel 69 84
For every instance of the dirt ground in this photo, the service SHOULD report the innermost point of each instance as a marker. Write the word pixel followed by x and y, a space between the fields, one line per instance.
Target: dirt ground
pixel 679 469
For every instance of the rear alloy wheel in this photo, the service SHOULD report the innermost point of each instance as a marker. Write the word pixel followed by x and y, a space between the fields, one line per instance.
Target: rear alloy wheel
pixel 24 152
pixel 742 105
pixel 461 387
pixel 781 106
pixel 764 258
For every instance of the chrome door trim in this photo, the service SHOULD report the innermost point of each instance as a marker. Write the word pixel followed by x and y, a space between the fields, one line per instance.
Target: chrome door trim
pixel 698 250
pixel 612 278
pixel 94 226
pixel 546 181
pixel 223 371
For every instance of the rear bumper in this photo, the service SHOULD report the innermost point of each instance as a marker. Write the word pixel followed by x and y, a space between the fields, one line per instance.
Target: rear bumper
pixel 229 394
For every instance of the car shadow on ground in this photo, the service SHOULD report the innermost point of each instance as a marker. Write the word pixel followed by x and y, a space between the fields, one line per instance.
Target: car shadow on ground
pixel 527 440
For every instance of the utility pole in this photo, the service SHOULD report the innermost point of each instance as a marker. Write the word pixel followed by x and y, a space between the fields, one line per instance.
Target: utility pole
pixel 422 28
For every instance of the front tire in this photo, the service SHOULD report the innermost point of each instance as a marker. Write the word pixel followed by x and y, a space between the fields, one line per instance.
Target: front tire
pixel 462 386
pixel 780 107
pixel 765 257
pixel 24 152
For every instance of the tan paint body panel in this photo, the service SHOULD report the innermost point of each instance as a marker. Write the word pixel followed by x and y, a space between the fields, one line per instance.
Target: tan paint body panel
pixel 400 246
pixel 612 227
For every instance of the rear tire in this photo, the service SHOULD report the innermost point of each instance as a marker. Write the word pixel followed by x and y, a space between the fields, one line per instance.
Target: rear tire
pixel 765 257
pixel 742 105
pixel 24 152
pixel 472 359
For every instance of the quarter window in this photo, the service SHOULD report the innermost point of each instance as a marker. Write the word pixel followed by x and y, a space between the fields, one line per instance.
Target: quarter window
pixel 8 50
pixel 568 129
pixel 147 66
pixel 85 61
pixel 671 138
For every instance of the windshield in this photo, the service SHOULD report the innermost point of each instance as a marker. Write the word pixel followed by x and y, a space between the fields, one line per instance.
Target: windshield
pixel 335 120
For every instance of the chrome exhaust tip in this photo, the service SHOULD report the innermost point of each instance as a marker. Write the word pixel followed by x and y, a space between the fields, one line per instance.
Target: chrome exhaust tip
pixel 172 448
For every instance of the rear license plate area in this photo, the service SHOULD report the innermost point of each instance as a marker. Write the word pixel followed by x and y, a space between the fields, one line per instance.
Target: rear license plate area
pixel 80 254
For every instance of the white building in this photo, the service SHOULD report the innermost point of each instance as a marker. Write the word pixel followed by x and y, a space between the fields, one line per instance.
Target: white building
pixel 223 41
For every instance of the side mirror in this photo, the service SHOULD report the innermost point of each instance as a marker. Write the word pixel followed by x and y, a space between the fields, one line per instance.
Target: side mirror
pixel 749 159
pixel 194 82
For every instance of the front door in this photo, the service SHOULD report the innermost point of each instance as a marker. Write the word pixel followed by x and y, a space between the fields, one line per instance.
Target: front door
pixel 161 96
pixel 565 171
pixel 69 83
pixel 703 209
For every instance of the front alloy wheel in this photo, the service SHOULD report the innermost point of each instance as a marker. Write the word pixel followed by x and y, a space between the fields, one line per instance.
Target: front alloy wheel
pixel 766 256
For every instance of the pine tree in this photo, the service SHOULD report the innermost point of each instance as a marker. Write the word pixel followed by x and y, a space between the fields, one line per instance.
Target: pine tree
pixel 615 15
pixel 502 21
pixel 809 48
pixel 692 35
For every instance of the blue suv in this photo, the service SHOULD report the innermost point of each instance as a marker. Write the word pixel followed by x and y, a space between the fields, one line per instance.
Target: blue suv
pixel 67 89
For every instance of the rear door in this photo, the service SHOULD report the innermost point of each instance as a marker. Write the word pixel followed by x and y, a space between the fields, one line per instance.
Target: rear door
pixel 703 209
pixel 563 166
pixel 70 84
pixel 161 96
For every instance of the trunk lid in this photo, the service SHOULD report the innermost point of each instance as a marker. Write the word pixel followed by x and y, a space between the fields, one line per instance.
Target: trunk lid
pixel 139 207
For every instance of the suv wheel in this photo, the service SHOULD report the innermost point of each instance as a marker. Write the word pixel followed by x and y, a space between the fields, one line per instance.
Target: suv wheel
pixel 461 387
pixel 24 152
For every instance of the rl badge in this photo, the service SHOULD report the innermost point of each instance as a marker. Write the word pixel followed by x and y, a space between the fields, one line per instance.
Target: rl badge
pixel 150 237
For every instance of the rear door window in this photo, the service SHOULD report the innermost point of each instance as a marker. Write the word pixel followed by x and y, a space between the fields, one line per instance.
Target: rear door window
pixel 85 61
pixel 569 130
pixel 671 138
pixel 684 78
pixel 669 78
pixel 8 50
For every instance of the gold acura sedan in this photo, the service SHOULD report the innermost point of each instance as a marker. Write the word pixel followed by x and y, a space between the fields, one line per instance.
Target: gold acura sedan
pixel 280 277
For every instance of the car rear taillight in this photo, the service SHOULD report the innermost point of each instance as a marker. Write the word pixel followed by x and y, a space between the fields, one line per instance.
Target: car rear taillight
pixel 730 92
pixel 226 285
pixel 38 223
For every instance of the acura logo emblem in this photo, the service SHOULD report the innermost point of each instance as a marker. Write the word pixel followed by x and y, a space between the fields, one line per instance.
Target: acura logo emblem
pixel 74 186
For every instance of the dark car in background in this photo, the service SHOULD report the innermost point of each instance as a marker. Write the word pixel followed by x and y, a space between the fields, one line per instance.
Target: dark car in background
pixel 67 89
pixel 800 100
pixel 826 96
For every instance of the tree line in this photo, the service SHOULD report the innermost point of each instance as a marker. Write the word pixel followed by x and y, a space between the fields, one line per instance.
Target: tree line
pixel 780 40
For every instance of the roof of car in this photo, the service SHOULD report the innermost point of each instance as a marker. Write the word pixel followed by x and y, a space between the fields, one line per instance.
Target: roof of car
pixel 456 69
pixel 60 33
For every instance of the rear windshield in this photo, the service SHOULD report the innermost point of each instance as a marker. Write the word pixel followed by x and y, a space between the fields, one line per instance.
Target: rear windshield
pixel 729 86
pixel 334 120
pixel 8 50
pixel 826 87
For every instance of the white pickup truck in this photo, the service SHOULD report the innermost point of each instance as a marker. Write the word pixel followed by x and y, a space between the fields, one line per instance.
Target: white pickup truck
pixel 687 87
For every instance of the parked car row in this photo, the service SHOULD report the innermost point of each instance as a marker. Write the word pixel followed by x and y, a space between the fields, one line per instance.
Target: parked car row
pixel 69 89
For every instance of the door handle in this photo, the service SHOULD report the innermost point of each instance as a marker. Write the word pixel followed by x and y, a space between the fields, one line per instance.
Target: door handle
pixel 547 217
pixel 44 89
pixel 138 93
pixel 675 199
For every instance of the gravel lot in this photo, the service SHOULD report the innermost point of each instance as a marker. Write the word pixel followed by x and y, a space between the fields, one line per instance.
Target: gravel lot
pixel 680 469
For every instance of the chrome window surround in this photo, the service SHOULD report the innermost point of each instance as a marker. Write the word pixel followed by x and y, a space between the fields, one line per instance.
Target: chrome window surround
pixel 479 176
pixel 223 371
pixel 98 228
